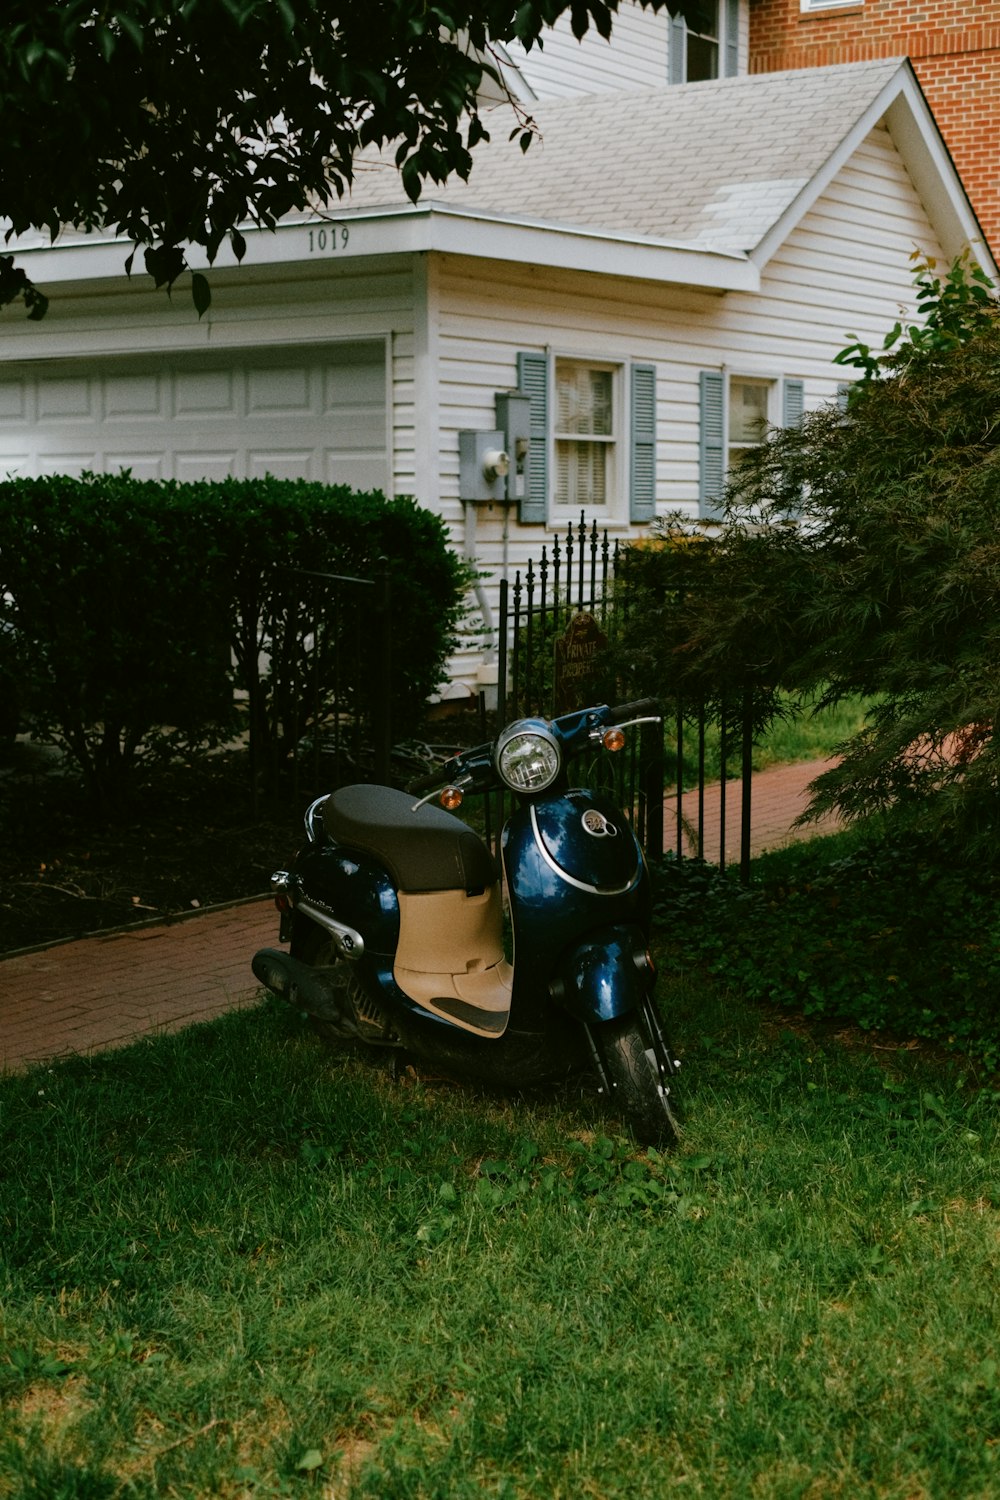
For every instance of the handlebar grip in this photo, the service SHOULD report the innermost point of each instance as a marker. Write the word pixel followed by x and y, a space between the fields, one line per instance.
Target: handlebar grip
pixel 640 708
pixel 428 782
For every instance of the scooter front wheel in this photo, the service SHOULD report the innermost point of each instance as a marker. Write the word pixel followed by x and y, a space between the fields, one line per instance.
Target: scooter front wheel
pixel 637 1093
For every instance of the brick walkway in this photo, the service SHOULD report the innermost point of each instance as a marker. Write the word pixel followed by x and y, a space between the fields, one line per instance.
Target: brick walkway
pixel 107 990
pixel 777 798
pixel 104 991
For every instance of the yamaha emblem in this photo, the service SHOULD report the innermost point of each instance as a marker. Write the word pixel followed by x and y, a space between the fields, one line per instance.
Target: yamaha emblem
pixel 597 825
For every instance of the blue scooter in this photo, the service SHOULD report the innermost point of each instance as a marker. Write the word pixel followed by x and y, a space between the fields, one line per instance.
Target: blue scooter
pixel 394 916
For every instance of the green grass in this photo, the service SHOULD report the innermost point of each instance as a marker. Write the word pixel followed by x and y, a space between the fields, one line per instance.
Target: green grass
pixel 805 733
pixel 231 1265
pixel 810 735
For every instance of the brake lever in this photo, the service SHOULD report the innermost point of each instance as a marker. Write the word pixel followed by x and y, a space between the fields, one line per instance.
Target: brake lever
pixel 460 783
pixel 597 734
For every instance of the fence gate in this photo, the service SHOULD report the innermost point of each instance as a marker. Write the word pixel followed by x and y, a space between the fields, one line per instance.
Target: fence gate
pixel 555 620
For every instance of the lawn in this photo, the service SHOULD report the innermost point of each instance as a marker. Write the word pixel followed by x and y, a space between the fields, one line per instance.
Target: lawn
pixel 802 731
pixel 231 1264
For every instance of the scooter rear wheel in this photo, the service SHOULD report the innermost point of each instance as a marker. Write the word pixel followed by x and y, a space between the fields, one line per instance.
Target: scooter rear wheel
pixel 630 1064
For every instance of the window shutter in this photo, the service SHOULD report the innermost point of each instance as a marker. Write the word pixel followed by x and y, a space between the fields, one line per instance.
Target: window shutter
pixel 642 466
pixel 792 407
pixel 731 40
pixel 843 395
pixel 677 53
pixel 792 403
pixel 533 381
pixel 712 476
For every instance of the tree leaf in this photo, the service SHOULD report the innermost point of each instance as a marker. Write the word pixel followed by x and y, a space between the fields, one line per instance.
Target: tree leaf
pixel 201 293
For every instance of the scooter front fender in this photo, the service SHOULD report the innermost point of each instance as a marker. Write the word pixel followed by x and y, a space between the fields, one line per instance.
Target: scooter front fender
pixel 606 976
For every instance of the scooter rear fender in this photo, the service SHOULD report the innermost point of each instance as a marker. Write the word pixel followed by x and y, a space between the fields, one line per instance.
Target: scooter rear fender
pixel 606 976
pixel 356 890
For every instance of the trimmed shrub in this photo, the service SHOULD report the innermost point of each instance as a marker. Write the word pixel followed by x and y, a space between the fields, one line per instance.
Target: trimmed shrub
pixel 115 595
pixel 129 601
pixel 279 534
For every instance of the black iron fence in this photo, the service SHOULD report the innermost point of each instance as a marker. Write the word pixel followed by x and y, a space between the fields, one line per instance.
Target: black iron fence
pixel 557 619
pixel 323 706
pixel 320 709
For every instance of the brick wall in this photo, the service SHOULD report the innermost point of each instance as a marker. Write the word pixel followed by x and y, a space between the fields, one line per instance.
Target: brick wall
pixel 954 46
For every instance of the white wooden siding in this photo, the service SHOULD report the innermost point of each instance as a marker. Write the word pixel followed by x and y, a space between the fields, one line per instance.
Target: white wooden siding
pixel 635 57
pixel 844 271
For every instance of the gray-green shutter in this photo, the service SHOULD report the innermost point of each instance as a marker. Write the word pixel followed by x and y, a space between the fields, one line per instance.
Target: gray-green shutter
pixel 792 409
pixel 731 40
pixel 712 470
pixel 792 403
pixel 677 54
pixel 843 395
pixel 642 467
pixel 533 381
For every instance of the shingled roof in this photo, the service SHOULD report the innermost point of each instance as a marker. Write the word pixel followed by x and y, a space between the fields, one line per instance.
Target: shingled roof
pixel 711 166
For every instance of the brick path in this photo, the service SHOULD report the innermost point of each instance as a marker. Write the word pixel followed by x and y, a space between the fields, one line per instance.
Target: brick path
pixel 104 991
pixel 107 990
pixel 777 797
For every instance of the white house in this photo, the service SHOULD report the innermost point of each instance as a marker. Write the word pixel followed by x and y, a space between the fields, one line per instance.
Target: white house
pixel 663 268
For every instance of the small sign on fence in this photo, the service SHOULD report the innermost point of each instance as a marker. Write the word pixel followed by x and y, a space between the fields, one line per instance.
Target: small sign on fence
pixel 576 653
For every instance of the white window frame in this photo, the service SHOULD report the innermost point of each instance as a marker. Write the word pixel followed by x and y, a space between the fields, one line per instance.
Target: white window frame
pixel 772 415
pixel 615 510
pixel 814 7
pixel 727 45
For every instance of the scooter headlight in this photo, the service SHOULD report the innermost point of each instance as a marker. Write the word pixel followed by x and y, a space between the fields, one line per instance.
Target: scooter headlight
pixel 528 756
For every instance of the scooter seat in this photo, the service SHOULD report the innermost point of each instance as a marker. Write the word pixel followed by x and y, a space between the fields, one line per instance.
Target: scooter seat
pixel 424 850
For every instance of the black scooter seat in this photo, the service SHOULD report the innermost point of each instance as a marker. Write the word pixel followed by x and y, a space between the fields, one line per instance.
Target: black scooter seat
pixel 426 850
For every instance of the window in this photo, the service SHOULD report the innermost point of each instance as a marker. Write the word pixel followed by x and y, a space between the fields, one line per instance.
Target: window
pixel 749 414
pixel 593 438
pixel 703 40
pixel 735 413
pixel 585 456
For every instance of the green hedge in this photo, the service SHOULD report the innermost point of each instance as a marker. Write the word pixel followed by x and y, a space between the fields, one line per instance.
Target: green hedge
pixel 135 606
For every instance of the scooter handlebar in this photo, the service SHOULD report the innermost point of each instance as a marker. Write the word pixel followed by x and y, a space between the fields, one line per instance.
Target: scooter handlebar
pixel 640 708
pixel 460 764
pixel 466 764
pixel 429 782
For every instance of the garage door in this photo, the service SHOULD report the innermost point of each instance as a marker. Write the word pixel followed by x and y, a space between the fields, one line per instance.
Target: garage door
pixel 319 416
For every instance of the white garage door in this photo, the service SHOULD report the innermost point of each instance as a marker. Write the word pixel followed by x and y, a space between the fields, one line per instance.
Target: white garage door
pixel 321 415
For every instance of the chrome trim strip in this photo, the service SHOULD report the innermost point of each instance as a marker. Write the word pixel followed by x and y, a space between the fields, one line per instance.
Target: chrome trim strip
pixel 312 813
pixel 580 885
pixel 349 942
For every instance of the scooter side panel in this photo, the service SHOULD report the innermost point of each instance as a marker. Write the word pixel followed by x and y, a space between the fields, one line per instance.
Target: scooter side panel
pixel 356 890
pixel 359 892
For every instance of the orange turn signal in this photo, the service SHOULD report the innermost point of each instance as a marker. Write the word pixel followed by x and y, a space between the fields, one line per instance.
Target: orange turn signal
pixel 614 739
pixel 451 797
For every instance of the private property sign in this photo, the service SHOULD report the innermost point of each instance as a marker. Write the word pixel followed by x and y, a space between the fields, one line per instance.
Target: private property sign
pixel 576 654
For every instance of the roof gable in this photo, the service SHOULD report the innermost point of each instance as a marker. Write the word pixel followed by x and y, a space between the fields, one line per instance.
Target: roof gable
pixel 728 167
pixel 697 185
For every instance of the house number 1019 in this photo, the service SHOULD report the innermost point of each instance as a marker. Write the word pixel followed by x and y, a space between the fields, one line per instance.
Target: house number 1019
pixel 327 241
